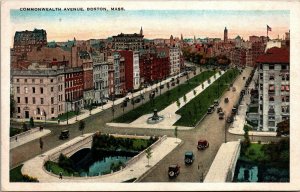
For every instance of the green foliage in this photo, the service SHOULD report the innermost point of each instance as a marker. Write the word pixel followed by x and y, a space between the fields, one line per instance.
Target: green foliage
pixel 24 127
pixel 64 116
pixel 195 92
pixel 162 101
pixel 178 103
pixel 116 166
pixel 54 168
pixel 81 126
pixel 184 98
pixel 15 175
pixel 12 106
pixel 148 152
pixel 65 163
pixel 31 122
pixel 14 131
pixel 204 100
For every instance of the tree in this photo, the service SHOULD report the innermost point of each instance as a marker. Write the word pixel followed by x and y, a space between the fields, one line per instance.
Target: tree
pixel 195 92
pixel 31 122
pixel 148 154
pixel 184 98
pixel 81 126
pixel 176 132
pixel 24 126
pixel 178 103
pixel 12 105
pixel 202 86
pixel 41 144
pixel 283 128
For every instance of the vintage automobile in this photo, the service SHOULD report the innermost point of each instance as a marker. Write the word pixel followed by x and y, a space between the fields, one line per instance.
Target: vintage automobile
pixel 211 109
pixel 188 157
pixel 64 134
pixel 202 144
pixel 174 170
pixel 221 115
pixel 219 109
pixel 226 100
pixel 216 103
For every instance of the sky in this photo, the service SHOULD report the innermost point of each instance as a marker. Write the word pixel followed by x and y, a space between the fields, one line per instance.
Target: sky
pixel 83 25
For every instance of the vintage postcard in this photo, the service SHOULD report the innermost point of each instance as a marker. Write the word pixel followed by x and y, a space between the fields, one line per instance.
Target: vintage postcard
pixel 149 95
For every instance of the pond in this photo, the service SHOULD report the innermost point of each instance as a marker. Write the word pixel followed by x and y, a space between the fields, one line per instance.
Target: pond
pixel 253 172
pixel 87 165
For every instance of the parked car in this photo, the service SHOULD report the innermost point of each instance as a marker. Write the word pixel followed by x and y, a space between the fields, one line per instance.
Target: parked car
pixel 188 157
pixel 219 109
pixel 173 83
pixel 234 110
pixel 221 115
pixel 202 144
pixel 230 119
pixel 64 134
pixel 210 110
pixel 226 100
pixel 216 103
pixel 174 170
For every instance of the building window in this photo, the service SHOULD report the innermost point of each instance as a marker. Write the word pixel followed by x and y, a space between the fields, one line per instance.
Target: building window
pixel 18 80
pixel 18 99
pixel 51 80
pixel 271 98
pixel 52 89
pixel 283 67
pixel 271 67
pixel 52 100
pixel 42 101
pixel 25 80
pixel 26 100
pixel 41 80
pixel 33 89
pixel 271 77
pixel 26 90
pixel 52 110
pixel 271 123
pixel 18 89
pixel 33 80
pixel 42 90
pixel 33 100
pixel 19 110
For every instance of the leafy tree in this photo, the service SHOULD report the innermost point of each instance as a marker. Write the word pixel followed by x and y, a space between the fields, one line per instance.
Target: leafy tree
pixel 283 128
pixel 195 92
pixel 31 122
pixel 178 103
pixel 184 98
pixel 12 106
pixel 81 126
pixel 176 132
pixel 148 154
pixel 24 126
pixel 65 163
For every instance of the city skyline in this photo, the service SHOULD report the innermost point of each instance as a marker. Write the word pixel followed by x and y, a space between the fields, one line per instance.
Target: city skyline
pixel 63 25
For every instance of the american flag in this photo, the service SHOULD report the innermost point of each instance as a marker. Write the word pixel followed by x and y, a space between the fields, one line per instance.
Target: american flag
pixel 269 28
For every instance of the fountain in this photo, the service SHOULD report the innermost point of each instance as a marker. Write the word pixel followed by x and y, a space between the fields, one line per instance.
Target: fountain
pixel 155 118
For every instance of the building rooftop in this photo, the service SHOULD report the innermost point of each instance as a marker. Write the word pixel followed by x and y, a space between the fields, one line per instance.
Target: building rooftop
pixel 275 55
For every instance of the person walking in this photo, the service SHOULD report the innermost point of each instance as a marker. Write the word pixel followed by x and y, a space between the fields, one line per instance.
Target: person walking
pixel 60 175
pixel 16 138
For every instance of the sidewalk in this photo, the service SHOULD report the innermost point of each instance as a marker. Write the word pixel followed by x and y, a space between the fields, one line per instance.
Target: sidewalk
pixel 22 139
pixel 169 113
pixel 237 127
pixel 34 167
pixel 109 104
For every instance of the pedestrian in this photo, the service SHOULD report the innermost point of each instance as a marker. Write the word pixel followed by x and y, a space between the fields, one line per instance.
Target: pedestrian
pixel 16 138
pixel 60 175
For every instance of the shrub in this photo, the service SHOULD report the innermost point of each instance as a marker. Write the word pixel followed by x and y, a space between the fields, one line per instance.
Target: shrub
pixel 27 178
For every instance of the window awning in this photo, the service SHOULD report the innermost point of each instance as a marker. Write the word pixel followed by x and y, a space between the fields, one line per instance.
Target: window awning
pixel 271 88
pixel 282 87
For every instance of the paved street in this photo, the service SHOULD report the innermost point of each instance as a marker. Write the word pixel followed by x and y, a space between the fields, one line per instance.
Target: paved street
pixel 211 128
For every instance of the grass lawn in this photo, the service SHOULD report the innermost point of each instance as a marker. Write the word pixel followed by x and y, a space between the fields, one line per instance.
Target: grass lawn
pixel 63 117
pixel 164 100
pixel 193 111
pixel 139 143
pixel 15 174
pixel 56 169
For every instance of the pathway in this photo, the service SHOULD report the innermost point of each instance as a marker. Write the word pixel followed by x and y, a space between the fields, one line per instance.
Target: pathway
pixel 169 113
pixel 31 135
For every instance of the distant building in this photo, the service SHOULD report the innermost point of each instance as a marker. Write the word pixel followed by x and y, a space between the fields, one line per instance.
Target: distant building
pixel 225 35
pixel 274 88
pixel 26 41
pixel 133 42
pixel 174 54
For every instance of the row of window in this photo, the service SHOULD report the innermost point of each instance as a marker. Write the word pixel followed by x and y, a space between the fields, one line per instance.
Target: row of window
pixel 34 80
pixel 34 100
pixel 34 89
pixel 42 112
pixel 272 67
